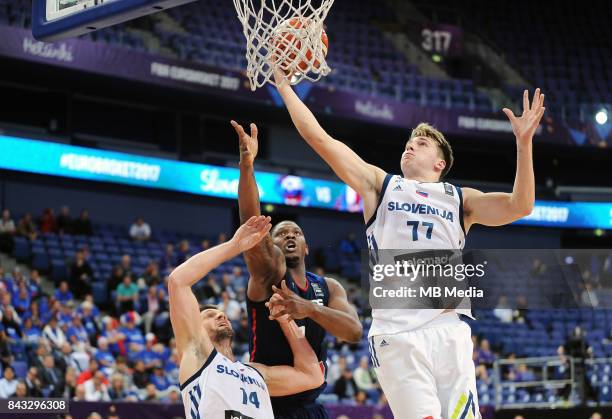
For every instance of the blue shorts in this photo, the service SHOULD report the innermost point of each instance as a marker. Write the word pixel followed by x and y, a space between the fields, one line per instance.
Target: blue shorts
pixel 311 411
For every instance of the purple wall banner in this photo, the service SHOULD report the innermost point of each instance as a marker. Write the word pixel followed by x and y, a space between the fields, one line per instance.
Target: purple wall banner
pixel 100 58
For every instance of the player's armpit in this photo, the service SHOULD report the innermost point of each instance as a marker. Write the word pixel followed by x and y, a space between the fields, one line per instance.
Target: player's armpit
pixel 283 380
pixel 491 209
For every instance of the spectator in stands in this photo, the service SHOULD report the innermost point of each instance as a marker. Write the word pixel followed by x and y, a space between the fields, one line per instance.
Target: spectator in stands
pixel 524 374
pixel 173 395
pixel 361 398
pixel 79 393
pixel 22 301
pixel 103 355
pixel 140 231
pixel 596 415
pixel 54 333
pixel 363 376
pixel 485 356
pixel 8 384
pixel 90 372
pixel 589 296
pixel 228 286
pixel 63 294
pixel 115 279
pixel 81 276
pixel 520 314
pixel 64 221
pixel 127 295
pixel 90 322
pixel 21 390
pixel 67 359
pixel 33 383
pixel 52 378
pixel 95 388
pixel 159 379
pixel 77 332
pixel 211 290
pixel 31 333
pixel 46 221
pixel 230 307
pixel 151 393
pixel 82 225
pixel 503 311
pixel 70 378
pixel 9 323
pixel 117 389
pixel 221 238
pixel 26 227
pixel 35 285
pixel 183 252
pixel 168 261
pixel 134 338
pixel 140 375
pixel 345 387
pixel 241 335
pixel 152 306
pixel 151 275
pixel 7 232
pixel 335 370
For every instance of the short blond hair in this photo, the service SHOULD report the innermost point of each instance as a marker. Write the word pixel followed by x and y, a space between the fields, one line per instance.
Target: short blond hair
pixel 426 130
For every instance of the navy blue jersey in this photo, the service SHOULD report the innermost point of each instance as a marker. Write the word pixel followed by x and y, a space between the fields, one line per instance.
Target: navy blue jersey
pixel 268 345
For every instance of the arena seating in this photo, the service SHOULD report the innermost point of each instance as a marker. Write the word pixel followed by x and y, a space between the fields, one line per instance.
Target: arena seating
pixel 362 59
pixel 534 333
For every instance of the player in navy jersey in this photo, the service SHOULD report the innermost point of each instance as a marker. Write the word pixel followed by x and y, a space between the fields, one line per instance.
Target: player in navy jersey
pixel 418 211
pixel 277 263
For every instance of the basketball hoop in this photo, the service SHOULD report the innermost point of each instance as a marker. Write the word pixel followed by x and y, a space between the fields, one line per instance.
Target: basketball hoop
pixel 285 35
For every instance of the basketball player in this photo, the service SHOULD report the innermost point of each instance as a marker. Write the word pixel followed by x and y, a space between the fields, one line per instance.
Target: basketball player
pixel 213 384
pixel 423 358
pixel 318 304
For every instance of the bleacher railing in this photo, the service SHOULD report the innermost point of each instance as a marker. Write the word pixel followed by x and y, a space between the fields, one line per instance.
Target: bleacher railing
pixel 543 385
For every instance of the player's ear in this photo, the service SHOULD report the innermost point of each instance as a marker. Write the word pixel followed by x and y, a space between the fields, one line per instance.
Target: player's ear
pixel 307 251
pixel 440 165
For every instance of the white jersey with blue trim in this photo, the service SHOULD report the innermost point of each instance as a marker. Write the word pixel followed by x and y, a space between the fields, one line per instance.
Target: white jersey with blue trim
pixel 414 215
pixel 224 389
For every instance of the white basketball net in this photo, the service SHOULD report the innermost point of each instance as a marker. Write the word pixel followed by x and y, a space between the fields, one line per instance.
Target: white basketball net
pixel 284 34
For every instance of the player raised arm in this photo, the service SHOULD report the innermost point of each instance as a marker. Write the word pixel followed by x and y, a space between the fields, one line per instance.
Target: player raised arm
pixel 265 261
pixel 494 209
pixel 184 308
pixel 306 372
pixel 363 177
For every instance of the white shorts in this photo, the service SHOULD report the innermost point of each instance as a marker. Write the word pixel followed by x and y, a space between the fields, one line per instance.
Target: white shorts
pixel 428 373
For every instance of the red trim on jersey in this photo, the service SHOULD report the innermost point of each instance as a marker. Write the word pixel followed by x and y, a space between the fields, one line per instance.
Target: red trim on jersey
pixel 300 288
pixel 253 331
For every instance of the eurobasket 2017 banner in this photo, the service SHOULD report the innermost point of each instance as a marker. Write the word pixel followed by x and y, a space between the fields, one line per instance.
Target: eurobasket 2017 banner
pixel 69 161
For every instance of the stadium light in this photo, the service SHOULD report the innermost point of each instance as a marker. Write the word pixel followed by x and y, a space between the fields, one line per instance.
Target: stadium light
pixel 601 117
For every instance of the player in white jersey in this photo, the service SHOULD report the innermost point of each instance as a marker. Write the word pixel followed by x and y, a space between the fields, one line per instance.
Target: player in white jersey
pixel 423 358
pixel 213 384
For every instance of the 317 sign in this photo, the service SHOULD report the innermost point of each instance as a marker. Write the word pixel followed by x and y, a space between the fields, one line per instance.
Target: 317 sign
pixel 441 39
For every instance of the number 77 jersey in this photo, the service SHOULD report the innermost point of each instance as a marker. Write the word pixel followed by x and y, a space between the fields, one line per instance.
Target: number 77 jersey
pixel 226 389
pixel 417 215
pixel 412 215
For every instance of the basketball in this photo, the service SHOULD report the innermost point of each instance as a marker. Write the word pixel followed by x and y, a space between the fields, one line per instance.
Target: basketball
pixel 291 40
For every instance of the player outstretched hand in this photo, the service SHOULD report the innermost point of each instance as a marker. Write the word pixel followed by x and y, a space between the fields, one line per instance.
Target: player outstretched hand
pixel 251 232
pixel 248 143
pixel 285 302
pixel 524 127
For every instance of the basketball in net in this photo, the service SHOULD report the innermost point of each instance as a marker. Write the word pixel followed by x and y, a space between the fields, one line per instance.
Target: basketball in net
pixel 292 49
pixel 287 35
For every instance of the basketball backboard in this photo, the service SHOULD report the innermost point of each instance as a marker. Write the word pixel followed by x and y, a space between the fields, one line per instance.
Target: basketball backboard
pixel 53 20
